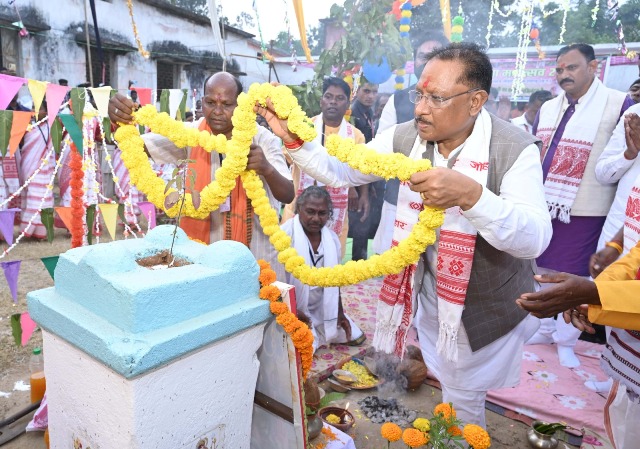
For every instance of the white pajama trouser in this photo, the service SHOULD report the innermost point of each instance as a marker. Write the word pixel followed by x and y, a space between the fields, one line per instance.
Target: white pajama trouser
pixel 622 417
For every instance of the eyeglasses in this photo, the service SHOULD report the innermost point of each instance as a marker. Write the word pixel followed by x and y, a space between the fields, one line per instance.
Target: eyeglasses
pixel 434 101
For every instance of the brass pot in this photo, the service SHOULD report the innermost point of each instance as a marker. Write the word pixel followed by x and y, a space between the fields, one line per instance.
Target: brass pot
pixel 314 426
pixel 540 440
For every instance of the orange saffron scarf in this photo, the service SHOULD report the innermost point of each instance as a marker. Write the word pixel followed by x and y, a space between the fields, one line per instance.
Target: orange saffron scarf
pixel 237 222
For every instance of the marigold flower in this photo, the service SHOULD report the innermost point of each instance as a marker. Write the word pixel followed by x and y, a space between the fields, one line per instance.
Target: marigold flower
pixel 391 431
pixel 454 431
pixel 422 424
pixel 278 308
pixel 445 410
pixel 476 436
pixel 414 438
pixel 270 292
pixel 267 277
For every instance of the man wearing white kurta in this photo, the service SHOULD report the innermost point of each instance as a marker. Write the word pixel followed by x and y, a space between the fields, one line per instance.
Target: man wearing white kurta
pixel 492 191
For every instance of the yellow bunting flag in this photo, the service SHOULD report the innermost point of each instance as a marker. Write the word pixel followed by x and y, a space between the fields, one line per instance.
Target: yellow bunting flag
pixel 37 90
pixel 101 97
pixel 110 216
pixel 65 215
pixel 18 127
pixel 297 5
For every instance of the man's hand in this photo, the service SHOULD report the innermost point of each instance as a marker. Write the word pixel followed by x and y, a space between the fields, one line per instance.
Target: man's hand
pixel 601 260
pixel 258 161
pixel 364 205
pixel 579 317
pixel 353 199
pixel 121 108
pixel 632 135
pixel 278 126
pixel 570 291
pixel 444 188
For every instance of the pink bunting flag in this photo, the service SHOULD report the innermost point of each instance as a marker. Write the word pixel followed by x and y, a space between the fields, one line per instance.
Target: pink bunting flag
pixel 144 95
pixel 55 97
pixel 11 270
pixel 149 212
pixel 6 224
pixel 9 87
pixel 28 326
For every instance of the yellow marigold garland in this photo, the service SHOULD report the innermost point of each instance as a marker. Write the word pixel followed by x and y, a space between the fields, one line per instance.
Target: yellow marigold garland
pixel 360 157
pixel 298 331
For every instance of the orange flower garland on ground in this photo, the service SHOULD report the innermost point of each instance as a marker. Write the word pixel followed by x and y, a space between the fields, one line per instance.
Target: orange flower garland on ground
pixel 298 331
pixel 77 205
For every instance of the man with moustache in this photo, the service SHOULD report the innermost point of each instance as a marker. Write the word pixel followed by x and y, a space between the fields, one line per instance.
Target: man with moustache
pixel 574 128
pixel 234 220
pixel 399 110
pixel 489 181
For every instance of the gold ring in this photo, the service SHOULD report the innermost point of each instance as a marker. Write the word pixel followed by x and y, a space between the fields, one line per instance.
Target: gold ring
pixel 423 196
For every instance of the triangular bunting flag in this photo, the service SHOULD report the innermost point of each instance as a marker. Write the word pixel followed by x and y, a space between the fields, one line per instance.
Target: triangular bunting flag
pixel 90 220
pixel 55 97
pixel 144 95
pixel 74 131
pixel 164 101
pixel 16 329
pixel 46 217
pixel 37 90
pixel 28 326
pixel 149 212
pixel 18 127
pixel 11 270
pixel 6 118
pixel 121 213
pixel 56 135
pixel 183 104
pixel 78 97
pixel 65 215
pixel 175 97
pixel 7 218
pixel 106 125
pixel 101 97
pixel 50 264
pixel 110 217
pixel 9 87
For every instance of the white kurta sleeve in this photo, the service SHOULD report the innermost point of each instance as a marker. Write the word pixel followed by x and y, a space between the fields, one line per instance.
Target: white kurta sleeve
pixel 313 159
pixel 612 164
pixel 517 221
pixel 272 148
pixel 388 117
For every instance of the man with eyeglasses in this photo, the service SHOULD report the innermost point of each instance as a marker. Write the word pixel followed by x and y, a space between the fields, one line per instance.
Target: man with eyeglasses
pixel 489 180
pixel 333 104
pixel 574 128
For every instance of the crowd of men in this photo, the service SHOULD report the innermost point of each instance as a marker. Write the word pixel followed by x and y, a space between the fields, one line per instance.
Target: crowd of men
pixel 538 208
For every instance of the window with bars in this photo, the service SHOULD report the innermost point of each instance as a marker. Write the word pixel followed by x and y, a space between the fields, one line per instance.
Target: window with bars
pixel 97 68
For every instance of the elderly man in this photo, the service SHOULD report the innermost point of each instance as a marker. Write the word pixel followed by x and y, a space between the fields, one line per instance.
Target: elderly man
pixel 399 110
pixel 489 180
pixel 536 100
pixel 574 128
pixel 333 104
pixel 235 219
pixel 613 301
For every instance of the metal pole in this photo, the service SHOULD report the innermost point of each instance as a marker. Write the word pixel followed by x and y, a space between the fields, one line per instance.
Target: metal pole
pixel 86 33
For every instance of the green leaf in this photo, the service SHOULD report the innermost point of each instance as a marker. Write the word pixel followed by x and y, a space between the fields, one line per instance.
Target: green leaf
pixel 90 219
pixel 329 398
pixel 121 213
pixel 56 135
pixel 106 125
pixel 78 95
pixel 183 103
pixel 16 328
pixel 46 217
pixel 6 119
pixel 164 101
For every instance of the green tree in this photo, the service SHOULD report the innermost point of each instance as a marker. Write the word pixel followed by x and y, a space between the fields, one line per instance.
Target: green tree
pixel 370 33
pixel 197 6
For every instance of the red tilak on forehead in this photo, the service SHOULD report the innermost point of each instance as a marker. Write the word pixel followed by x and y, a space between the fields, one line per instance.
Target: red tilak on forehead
pixel 562 65
pixel 426 83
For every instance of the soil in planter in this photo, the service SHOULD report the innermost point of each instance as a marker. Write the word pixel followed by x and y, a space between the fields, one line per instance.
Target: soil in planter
pixel 161 261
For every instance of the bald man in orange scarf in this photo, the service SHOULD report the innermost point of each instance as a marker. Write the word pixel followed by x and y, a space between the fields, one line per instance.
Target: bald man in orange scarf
pixel 235 219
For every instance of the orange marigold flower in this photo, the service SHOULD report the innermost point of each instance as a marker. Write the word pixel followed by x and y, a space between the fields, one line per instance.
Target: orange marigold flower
pixel 391 431
pixel 285 319
pixel 414 438
pixel 270 292
pixel 445 410
pixel 476 436
pixel 454 431
pixel 267 277
pixel 278 308
pixel 263 264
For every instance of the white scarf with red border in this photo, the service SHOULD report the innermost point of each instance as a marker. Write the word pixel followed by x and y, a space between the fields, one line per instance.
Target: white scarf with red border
pixel 456 247
pixel 632 217
pixel 572 153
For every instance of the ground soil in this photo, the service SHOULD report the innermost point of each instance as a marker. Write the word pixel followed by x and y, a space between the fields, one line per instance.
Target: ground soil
pixel 14 360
